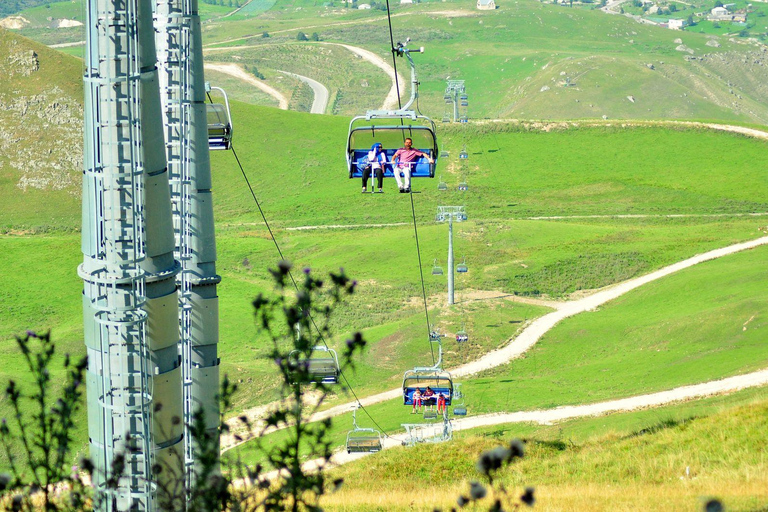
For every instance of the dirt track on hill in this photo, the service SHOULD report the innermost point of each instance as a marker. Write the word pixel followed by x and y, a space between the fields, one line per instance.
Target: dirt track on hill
pixel 530 335
pixel 236 71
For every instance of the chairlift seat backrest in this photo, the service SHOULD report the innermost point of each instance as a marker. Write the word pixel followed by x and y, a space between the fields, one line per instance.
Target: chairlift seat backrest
pixel 461 268
pixel 460 410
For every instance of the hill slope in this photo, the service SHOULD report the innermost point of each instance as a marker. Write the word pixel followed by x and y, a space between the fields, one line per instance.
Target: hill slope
pixel 41 123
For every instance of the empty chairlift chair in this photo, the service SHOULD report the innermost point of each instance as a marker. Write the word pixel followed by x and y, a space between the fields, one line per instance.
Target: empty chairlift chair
pixel 441 185
pixel 322 365
pixel 459 408
pixel 462 267
pixel 391 128
pixel 219 122
pixel 436 271
pixel 444 154
pixel 362 440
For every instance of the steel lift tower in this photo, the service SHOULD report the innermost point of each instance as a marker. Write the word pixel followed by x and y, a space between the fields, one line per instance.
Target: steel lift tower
pixel 182 92
pixel 130 303
pixel 456 97
pixel 450 214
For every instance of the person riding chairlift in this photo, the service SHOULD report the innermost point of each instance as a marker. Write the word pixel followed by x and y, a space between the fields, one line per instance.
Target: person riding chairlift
pixel 403 160
pixel 376 161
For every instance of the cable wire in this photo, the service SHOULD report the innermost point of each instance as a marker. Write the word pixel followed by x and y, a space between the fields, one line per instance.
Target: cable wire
pixel 295 285
pixel 413 208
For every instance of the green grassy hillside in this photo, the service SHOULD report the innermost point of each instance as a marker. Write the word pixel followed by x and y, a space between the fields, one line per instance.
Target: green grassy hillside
pixel 668 459
pixel 528 60
pixel 700 324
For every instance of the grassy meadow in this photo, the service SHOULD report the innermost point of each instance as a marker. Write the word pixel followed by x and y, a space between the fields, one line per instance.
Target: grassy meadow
pixel 628 461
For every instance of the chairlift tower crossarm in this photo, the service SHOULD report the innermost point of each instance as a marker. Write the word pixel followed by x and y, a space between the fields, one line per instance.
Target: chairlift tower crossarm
pixel 450 214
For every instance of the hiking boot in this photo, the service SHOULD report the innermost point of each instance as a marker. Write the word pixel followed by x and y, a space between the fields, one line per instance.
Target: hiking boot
pixel 365 189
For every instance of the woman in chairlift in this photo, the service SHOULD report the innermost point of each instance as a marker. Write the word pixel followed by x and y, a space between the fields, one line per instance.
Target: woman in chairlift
pixel 376 161
pixel 428 397
pixel 402 161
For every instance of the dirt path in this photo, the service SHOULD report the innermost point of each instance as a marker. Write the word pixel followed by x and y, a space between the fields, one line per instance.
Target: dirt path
pixel 320 102
pixel 391 100
pixel 531 334
pixel 238 72
pixel 549 416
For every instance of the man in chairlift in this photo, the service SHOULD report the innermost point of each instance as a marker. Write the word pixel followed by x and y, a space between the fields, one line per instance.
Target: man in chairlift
pixel 402 161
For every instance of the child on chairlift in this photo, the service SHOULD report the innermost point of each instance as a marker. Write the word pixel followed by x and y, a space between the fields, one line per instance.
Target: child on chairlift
pixel 441 403
pixel 416 400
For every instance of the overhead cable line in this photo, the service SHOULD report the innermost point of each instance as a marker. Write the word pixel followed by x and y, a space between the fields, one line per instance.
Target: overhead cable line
pixel 296 286
pixel 413 208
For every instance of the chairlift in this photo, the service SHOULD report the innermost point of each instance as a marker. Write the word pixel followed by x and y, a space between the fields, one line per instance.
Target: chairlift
pixel 463 97
pixel 464 103
pixel 441 185
pixel 463 119
pixel 463 155
pixel 444 154
pixel 434 377
pixel 462 267
pixel 219 121
pixel 463 186
pixel 434 334
pixel 323 368
pixel 461 335
pixel 459 409
pixel 446 119
pixel 390 128
pixel 362 440
pixel 436 271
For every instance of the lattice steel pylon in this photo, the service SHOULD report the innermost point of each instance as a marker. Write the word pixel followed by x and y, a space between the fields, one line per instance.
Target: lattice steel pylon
pixel 182 91
pixel 456 100
pixel 450 214
pixel 129 304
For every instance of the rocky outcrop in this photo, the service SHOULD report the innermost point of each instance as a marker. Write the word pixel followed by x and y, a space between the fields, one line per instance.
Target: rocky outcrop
pixel 40 133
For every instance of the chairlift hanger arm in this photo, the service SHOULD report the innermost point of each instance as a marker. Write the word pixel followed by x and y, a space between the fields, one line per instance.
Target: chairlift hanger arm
pixel 400 50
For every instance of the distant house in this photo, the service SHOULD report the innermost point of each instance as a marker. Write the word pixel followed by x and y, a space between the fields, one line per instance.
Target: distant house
pixel 719 11
pixel 364 6
pixel 406 1
pixel 677 24
pixel 486 5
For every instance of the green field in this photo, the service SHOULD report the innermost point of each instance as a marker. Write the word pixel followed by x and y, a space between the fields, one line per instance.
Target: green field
pixel 700 324
pixel 626 461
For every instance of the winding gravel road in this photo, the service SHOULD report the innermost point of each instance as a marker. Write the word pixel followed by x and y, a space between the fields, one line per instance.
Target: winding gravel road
pixel 238 72
pixel 320 103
